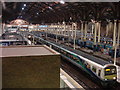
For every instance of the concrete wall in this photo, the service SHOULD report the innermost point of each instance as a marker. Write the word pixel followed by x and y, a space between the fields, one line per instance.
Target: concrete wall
pixel 31 72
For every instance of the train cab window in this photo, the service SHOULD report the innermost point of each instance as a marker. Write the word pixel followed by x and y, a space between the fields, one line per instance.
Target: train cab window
pixel 99 72
pixel 110 70
pixel 93 69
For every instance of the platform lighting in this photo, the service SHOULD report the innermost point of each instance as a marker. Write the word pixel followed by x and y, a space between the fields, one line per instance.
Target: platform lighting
pixel 24 5
pixel 62 2
pixel 50 8
pixel 92 21
pixel 22 8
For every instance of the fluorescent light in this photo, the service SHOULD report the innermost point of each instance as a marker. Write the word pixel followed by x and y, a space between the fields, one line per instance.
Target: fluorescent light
pixel 22 8
pixel 24 5
pixel 50 7
pixel 62 2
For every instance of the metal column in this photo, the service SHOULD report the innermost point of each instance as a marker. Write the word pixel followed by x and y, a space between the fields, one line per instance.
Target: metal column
pixel 107 29
pixel 114 34
pixel 99 27
pixel 92 28
pixel 74 24
pixel 85 32
pixel 95 33
pixel 82 31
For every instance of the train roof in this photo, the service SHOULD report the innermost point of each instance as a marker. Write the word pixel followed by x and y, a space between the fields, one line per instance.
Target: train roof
pixel 97 60
pixel 85 55
pixel 8 40
pixel 12 36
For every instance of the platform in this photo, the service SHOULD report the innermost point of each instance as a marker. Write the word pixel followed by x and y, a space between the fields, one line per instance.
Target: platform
pixel 67 81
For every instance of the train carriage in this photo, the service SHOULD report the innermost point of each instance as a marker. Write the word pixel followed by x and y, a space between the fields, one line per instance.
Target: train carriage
pixel 104 73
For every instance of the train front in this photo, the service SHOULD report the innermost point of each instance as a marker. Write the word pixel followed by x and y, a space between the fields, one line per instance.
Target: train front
pixel 110 74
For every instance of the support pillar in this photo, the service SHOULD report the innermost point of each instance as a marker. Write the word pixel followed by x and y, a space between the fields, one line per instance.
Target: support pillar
pixel 56 33
pixel 81 31
pixel 118 39
pixel 99 27
pixel 114 33
pixel 92 28
pixel 64 29
pixel 72 31
pixel 85 34
pixel 107 29
pixel 95 34
pixel 75 34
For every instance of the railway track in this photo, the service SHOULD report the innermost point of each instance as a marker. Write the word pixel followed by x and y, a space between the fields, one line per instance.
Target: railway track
pixel 84 80
pixel 78 75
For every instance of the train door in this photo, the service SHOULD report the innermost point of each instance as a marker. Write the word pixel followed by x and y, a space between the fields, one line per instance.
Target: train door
pixel 99 72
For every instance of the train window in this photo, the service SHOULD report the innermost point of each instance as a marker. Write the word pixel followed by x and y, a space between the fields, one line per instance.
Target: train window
pixel 76 59
pixel 61 51
pixel 99 72
pixel 93 69
pixel 85 63
pixel 82 61
pixel 68 55
pixel 88 66
pixel 64 52
pixel 72 57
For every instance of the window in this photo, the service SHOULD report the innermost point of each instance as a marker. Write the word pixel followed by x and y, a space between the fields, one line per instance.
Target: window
pixel 99 72
pixel 88 66
pixel 93 69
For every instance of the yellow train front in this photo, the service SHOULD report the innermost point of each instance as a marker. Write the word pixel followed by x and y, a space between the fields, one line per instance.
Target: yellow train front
pixel 109 75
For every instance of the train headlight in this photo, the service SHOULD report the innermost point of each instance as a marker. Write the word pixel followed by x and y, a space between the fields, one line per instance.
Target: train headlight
pixel 114 77
pixel 105 79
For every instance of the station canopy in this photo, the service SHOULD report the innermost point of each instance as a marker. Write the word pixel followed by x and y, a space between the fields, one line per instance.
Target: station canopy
pixel 54 12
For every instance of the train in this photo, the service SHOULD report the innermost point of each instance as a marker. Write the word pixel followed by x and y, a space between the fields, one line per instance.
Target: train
pixel 104 44
pixel 12 38
pixel 105 73
pixel 12 42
